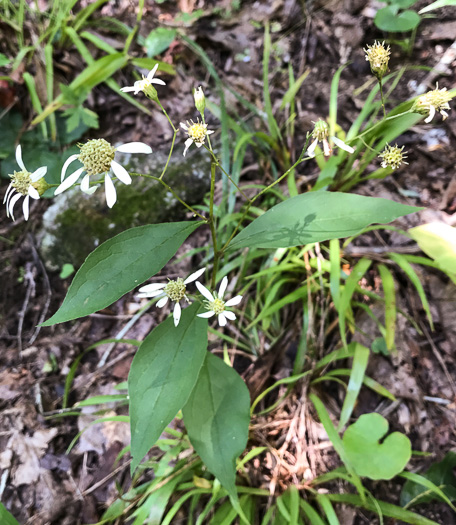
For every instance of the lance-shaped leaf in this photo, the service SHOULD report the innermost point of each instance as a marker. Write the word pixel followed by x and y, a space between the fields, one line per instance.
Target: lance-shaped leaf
pixel 162 376
pixel 316 217
pixel 217 418
pixel 119 265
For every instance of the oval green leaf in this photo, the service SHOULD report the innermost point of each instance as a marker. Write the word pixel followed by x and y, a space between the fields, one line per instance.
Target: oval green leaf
pixel 370 458
pixel 316 217
pixel 162 376
pixel 119 265
pixel 217 417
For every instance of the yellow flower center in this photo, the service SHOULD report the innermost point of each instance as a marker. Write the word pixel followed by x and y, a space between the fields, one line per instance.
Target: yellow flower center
pixel 197 132
pixel 392 156
pixel 321 130
pixel 217 306
pixel 378 57
pixel 97 156
pixel 21 181
pixel 438 98
pixel 175 290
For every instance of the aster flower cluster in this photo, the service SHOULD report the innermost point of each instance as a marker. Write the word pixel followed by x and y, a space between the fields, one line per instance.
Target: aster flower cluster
pixel 176 291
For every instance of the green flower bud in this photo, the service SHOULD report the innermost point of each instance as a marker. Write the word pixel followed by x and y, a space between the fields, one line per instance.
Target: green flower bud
pixel 200 100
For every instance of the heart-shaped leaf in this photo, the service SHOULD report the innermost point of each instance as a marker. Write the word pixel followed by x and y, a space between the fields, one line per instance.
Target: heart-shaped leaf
pixel 316 217
pixel 217 417
pixel 387 19
pixel 369 457
pixel 119 265
pixel 162 376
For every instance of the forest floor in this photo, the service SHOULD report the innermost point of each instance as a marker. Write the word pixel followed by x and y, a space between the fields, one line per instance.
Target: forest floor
pixel 49 486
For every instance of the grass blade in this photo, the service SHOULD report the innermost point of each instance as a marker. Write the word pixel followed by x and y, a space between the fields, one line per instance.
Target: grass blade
pixel 360 360
pixel 390 305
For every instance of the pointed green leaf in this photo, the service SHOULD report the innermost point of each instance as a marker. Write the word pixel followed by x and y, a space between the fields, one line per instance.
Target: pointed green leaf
pixel 119 265
pixel 7 518
pixel 316 217
pixel 162 376
pixel 217 417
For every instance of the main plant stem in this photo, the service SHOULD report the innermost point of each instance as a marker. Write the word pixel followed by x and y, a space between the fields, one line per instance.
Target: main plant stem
pixel 212 226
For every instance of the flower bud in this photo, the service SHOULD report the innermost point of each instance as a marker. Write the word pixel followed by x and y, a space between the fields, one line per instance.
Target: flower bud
pixel 378 57
pixel 200 100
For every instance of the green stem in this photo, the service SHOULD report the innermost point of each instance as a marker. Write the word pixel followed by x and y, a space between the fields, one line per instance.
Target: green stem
pixel 167 116
pixel 217 163
pixel 212 226
pixel 249 205
pixel 380 122
pixel 383 98
pixel 169 155
pixel 172 192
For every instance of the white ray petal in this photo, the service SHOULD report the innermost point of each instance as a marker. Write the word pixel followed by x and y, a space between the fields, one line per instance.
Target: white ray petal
pixel 19 157
pixel 431 114
pixel 230 315
pixel 152 72
pixel 134 147
pixel 69 160
pixel 187 143
pixel 8 189
pixel 12 202
pixel 311 148
pixel 127 89
pixel 110 190
pixel 177 313
pixel 234 301
pixel 33 193
pixel 120 172
pixel 326 148
pixel 184 126
pixel 204 291
pixel 39 173
pixel 161 303
pixel 341 144
pixel 69 181
pixel 158 81
pixel 25 207
pixel 150 295
pixel 221 320
pixel 8 201
pixel 194 276
pixel 85 185
pixel 223 286
pixel 152 287
pixel 206 315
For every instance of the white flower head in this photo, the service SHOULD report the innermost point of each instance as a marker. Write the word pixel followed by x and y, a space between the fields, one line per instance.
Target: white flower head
pixel 321 134
pixel 393 156
pixel 172 290
pixel 97 158
pixel 197 132
pixel 24 184
pixel 433 101
pixel 145 85
pixel 216 305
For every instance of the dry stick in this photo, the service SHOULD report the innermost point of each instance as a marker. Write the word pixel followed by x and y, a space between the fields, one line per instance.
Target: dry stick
pixel 439 357
pixel 105 479
pixel 47 301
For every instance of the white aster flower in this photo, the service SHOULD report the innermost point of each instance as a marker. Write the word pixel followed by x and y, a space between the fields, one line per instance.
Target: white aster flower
pixel 173 290
pixel 24 184
pixel 97 158
pixel 145 84
pixel 216 305
pixel 321 134
pixel 433 101
pixel 197 132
